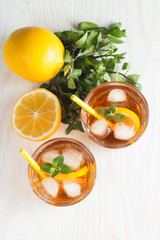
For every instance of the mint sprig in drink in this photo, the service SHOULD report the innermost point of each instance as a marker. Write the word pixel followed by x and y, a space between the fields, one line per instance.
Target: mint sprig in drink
pixel 69 168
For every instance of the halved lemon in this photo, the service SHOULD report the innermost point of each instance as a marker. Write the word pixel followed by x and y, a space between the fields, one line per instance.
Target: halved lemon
pixel 72 175
pixel 36 115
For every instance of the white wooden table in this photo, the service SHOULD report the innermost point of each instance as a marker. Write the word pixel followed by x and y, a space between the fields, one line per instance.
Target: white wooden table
pixel 125 202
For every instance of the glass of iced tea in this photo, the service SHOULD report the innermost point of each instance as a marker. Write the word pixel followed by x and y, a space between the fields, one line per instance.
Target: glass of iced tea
pixel 125 123
pixel 64 189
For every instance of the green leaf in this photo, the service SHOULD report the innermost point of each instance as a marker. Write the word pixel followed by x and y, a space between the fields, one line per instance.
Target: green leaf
pixel 46 167
pixel 98 82
pixel 102 111
pixel 65 36
pixel 89 82
pixel 82 40
pixel 68 129
pixel 54 172
pixel 115 40
pixel 109 63
pixel 134 77
pixel 100 67
pixel 119 25
pixel 78 126
pixel 44 85
pixel 112 108
pixel 76 73
pixel 99 39
pixel 105 77
pixel 58 161
pixel 106 47
pixel 119 77
pixel 74 36
pixel 91 61
pixel 86 52
pixel 65 169
pixel 87 26
pixel 115 32
pixel 124 33
pixel 66 69
pixel 67 57
pixel 91 40
pixel 139 86
pixel 119 117
pixel 71 83
pixel 109 117
pixel 126 66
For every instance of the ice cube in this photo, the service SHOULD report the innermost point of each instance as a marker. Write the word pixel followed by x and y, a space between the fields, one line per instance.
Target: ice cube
pixel 72 189
pixel 72 158
pixel 49 156
pixel 117 95
pixel 123 132
pixel 100 128
pixel 51 186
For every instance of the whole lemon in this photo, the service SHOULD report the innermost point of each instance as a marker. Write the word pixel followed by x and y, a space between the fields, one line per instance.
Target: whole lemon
pixel 34 53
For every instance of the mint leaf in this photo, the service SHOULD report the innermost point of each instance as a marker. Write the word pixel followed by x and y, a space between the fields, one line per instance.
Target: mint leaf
pixel 86 52
pixel 106 77
pixel 102 111
pixel 119 77
pixel 87 26
pixel 112 108
pixel 134 77
pixel 76 73
pixel 66 69
pixel 46 167
pixel 58 161
pixel 109 116
pixel 119 117
pixel 115 32
pixel 126 66
pixel 67 57
pixel 115 40
pixel 65 169
pixel 54 172
pixel 92 39
pixel 73 35
pixel 44 85
pixel 82 40
pixel 71 83
pixel 99 39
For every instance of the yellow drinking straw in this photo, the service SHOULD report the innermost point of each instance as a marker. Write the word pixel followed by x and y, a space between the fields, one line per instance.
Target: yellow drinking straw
pixel 86 107
pixel 89 109
pixel 33 163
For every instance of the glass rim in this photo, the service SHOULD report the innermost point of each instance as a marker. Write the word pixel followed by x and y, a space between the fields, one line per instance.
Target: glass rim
pixel 81 147
pixel 93 93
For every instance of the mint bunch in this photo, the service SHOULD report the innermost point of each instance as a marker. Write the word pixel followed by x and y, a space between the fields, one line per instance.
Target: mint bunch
pixel 91 58
pixel 56 167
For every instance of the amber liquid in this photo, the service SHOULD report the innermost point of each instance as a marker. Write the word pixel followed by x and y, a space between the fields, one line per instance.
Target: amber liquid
pixel 132 102
pixel 84 181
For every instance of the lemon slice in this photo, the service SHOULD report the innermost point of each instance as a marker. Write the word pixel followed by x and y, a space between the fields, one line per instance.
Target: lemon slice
pixel 72 175
pixel 131 114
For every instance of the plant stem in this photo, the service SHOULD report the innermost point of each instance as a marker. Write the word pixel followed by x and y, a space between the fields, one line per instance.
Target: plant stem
pixel 110 71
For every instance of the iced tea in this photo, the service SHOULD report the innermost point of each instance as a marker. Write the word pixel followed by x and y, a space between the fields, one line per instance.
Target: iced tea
pixel 67 189
pixel 129 102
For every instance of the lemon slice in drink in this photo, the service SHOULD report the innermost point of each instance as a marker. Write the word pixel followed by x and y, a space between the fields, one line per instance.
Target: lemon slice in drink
pixel 130 114
pixel 72 175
